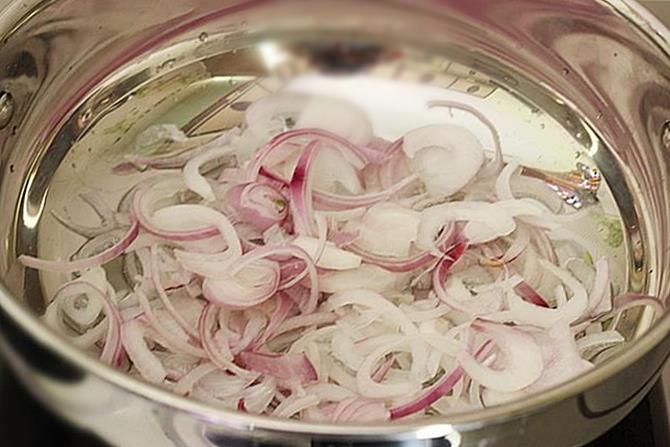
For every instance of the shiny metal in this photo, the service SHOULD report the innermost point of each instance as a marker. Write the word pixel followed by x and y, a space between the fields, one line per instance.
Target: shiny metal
pixel 601 68
pixel 577 187
pixel 6 109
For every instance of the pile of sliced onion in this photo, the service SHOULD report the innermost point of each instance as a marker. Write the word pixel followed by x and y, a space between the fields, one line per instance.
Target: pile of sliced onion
pixel 334 276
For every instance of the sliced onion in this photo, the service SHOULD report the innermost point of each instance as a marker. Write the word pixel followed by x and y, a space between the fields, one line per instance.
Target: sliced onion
pixel 179 227
pixel 382 218
pixel 446 238
pixel 170 338
pixel 527 313
pixel 204 217
pixel 496 164
pixel 592 344
pixel 243 288
pixel 383 369
pixel 185 385
pixel 350 152
pixel 194 180
pixel 226 294
pixel 258 203
pixel 367 387
pixel 337 116
pixel 332 258
pixel 155 275
pixel 439 389
pixel 526 291
pixel 300 192
pixel 85 263
pixel 433 147
pixel 282 310
pixel 281 366
pixel 112 352
pixel 218 353
pixel 145 361
pixel 366 276
pixel 601 287
pixel 521 357
pixel 338 202
pixel 332 172
pixel 295 404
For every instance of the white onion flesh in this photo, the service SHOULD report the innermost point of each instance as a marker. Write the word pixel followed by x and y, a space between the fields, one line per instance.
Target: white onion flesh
pixel 432 148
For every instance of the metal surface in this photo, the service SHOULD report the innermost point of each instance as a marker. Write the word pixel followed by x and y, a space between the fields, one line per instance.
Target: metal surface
pixel 70 62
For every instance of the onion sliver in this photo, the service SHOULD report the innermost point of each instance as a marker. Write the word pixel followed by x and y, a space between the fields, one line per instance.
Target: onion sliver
pixel 85 263
pixel 332 258
pixel 439 389
pixel 496 164
pixel 194 180
pixel 282 366
pixel 527 313
pixel 366 384
pixel 112 352
pixel 433 147
pixel 146 362
pixel 247 288
pixel 521 356
pixel 300 191
pixel 337 116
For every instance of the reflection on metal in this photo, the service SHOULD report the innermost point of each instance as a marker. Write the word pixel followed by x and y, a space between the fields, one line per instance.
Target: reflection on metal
pixel 272 54
pixel 6 109
pixel 665 135
pixel 577 187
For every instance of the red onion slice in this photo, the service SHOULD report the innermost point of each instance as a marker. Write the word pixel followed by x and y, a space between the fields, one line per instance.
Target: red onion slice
pixel 337 116
pixel 236 292
pixel 527 313
pixel 528 293
pixel 521 357
pixel 112 352
pixel 359 410
pixel 219 354
pixel 257 203
pixel 496 164
pixel 445 240
pixel 600 289
pixel 185 385
pixel 295 367
pixel 143 212
pixel 145 361
pixel 300 192
pixel 332 257
pixel 439 389
pixel 282 310
pixel 168 337
pixel 338 202
pixel 435 146
pixel 86 263
pixel 194 180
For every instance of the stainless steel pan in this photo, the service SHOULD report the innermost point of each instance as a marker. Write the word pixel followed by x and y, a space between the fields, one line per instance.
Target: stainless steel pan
pixel 64 64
